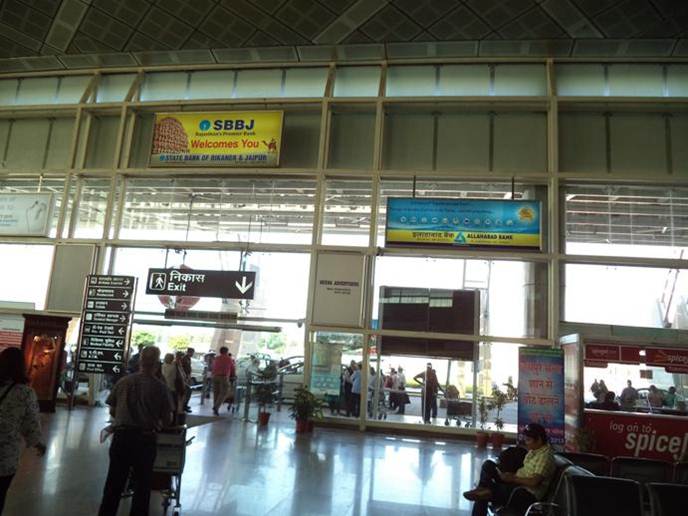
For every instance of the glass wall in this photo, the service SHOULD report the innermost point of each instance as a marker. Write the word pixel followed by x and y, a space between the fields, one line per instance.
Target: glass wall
pixel 610 175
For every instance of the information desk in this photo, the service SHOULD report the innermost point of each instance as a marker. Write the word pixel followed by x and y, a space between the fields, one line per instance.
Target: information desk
pixel 635 434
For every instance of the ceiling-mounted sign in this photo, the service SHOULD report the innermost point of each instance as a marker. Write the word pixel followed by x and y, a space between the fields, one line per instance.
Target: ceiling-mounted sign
pixel 339 290
pixel 25 214
pixel 225 139
pixel 491 223
pixel 224 284
pixel 671 359
pixel 105 323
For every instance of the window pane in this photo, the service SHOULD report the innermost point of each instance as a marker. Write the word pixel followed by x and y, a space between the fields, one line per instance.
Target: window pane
pixel 209 210
pixel 103 141
pixel 627 296
pixel 71 89
pixel 463 141
pixel 211 85
pixel 679 153
pixel 113 88
pixel 37 91
pixel 35 184
pixel 305 82
pixel 351 140
pixel 8 91
pixel 631 80
pixel 347 213
pixel 413 81
pixel 27 145
pixel 60 143
pixel 582 142
pixel 520 80
pixel 92 207
pixel 638 143
pixel 357 81
pixel 258 83
pixel 520 141
pixel 677 80
pixel 464 80
pixel 301 136
pixel 578 80
pixel 25 273
pixel 331 372
pixel 626 221
pixel 408 141
pixel 164 86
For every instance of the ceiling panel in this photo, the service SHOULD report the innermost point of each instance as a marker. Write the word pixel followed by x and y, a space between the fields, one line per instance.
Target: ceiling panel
pixel 602 28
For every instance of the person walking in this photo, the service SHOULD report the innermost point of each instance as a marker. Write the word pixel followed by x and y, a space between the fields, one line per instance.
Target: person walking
pixel 224 370
pixel 431 386
pixel 403 395
pixel 348 384
pixel 18 417
pixel 174 380
pixel 140 406
pixel 628 397
pixel 356 391
pixel 186 367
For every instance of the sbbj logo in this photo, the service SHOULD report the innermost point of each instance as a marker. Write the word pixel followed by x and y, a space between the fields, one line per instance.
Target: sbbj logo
pixel 227 125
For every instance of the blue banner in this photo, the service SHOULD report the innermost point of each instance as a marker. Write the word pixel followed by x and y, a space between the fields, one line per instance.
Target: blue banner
pixel 541 391
pixel 464 223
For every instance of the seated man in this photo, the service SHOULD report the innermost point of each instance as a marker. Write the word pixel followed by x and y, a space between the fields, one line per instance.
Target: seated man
pixel 534 475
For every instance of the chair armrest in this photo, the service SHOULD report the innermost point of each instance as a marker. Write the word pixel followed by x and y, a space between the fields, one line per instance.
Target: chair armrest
pixel 540 506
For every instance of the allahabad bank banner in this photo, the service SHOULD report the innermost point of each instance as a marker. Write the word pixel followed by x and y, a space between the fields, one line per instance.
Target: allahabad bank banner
pixel 225 139
pixel 463 223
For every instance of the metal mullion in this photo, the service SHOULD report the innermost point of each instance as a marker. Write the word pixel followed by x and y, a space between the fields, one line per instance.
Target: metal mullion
pixel 75 207
pixel 553 268
pixel 120 207
pixel 71 162
pixel 116 159
pixel 128 140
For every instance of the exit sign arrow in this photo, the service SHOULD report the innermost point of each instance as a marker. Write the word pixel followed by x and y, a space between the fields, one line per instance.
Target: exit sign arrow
pixel 243 287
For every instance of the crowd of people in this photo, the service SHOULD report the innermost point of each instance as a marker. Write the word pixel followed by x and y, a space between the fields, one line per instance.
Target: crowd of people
pixel 607 400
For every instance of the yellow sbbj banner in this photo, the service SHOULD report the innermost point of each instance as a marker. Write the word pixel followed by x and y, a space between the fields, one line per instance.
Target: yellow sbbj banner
pixel 225 139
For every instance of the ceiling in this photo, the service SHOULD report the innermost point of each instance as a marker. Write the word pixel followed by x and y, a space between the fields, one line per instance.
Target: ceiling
pixel 59 33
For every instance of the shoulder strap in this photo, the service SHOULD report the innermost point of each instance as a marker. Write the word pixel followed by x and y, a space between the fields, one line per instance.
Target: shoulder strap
pixel 7 391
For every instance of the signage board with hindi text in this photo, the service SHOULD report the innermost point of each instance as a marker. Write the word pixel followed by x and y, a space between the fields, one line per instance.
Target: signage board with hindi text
pixel 541 390
pixel 105 324
pixel 238 139
pixel 201 283
pixel 479 223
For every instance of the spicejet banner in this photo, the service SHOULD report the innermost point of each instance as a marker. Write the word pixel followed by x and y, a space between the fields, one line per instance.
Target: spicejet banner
pixel 225 139
pixel 463 223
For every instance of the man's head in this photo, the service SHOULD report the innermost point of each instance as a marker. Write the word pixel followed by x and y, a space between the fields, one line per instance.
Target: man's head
pixel 169 358
pixel 672 390
pixel 224 350
pixel 401 369
pixel 150 359
pixel 428 365
pixel 190 352
pixel 630 384
pixel 535 436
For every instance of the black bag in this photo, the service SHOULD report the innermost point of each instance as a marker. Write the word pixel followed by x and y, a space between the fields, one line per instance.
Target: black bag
pixel 511 459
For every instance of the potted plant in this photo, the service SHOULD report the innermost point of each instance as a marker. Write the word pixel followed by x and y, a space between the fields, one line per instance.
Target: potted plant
pixel 265 396
pixel 305 408
pixel 499 399
pixel 481 437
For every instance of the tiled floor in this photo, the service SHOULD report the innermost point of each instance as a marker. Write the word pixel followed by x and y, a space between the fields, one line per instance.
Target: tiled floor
pixel 235 469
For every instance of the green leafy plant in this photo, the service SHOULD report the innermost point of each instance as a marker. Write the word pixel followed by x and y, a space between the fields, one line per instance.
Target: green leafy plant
pixel 499 399
pixel 305 406
pixel 265 396
pixel 142 338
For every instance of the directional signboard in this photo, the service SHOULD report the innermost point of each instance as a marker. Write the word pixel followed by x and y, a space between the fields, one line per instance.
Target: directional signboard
pixel 105 323
pixel 224 284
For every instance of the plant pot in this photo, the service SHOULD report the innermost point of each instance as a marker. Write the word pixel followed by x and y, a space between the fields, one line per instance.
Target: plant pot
pixel 497 440
pixel 309 426
pixel 263 418
pixel 481 439
pixel 301 426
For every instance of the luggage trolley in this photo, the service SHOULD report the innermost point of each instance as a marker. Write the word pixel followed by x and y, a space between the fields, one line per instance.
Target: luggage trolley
pixel 170 457
pixel 169 466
